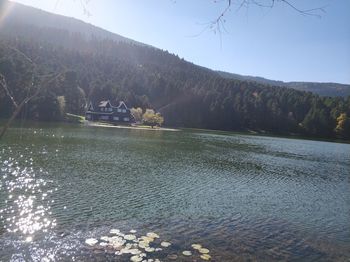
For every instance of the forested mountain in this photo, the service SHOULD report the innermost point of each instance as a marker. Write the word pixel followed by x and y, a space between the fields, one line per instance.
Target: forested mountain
pixel 94 67
pixel 322 89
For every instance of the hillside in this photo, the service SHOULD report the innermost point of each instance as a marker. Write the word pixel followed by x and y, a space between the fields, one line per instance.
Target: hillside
pixel 25 15
pixel 322 89
pixel 98 66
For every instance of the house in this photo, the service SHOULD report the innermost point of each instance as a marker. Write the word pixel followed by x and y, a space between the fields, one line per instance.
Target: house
pixel 106 112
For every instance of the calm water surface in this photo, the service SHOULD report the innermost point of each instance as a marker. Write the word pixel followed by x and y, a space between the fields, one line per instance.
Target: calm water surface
pixel 243 197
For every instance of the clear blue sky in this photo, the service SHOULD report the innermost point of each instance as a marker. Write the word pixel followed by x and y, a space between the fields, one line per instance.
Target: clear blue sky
pixel 276 43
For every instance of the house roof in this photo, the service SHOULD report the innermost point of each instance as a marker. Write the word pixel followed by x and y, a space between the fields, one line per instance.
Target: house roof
pixel 122 104
pixel 104 103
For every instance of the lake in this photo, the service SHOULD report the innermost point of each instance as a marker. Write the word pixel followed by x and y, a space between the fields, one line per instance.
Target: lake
pixel 243 197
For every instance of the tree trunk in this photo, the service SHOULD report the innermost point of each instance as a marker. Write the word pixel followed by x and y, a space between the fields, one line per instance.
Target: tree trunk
pixel 13 116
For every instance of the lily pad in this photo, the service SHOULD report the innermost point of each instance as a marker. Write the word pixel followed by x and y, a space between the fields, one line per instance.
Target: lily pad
pixel 205 257
pixel 105 238
pixel 129 237
pixel 143 244
pixel 165 244
pixel 152 235
pixel 149 249
pixel 91 241
pixel 196 246
pixel 147 239
pixel 135 251
pixel 203 250
pixel 104 244
pixel 114 231
pixel 136 259
pixel 132 231
pixel 187 253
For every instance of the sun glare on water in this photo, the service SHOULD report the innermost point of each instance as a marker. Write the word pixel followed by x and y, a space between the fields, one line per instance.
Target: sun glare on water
pixel 27 208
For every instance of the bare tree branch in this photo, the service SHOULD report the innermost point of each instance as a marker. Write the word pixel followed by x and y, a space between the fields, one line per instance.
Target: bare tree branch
pixel 7 91
pixel 217 24
pixel 18 107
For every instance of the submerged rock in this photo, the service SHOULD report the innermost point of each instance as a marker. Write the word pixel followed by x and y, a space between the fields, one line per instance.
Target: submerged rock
pixel 172 257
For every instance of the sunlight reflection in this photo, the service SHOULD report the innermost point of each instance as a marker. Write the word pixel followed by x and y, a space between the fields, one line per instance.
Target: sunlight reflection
pixel 26 210
pixel 5 9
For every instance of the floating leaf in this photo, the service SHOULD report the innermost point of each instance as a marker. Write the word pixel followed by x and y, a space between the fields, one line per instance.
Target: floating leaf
pixel 152 235
pixel 103 244
pixel 147 239
pixel 132 231
pixel 136 259
pixel 149 249
pixel 205 257
pixel 143 244
pixel 114 231
pixel 196 246
pixel 91 241
pixel 203 250
pixel 165 244
pixel 129 237
pixel 105 238
pixel 135 251
pixel 187 253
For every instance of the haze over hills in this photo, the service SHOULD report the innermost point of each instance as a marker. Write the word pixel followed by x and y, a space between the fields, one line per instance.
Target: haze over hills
pixel 322 89
pixel 22 14
pixel 101 65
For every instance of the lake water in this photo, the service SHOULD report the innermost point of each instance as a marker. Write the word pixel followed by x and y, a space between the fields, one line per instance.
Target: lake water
pixel 243 197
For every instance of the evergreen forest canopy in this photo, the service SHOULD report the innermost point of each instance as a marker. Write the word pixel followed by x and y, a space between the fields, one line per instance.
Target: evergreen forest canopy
pixel 96 67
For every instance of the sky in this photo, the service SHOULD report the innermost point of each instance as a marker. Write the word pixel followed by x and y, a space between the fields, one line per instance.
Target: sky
pixel 276 43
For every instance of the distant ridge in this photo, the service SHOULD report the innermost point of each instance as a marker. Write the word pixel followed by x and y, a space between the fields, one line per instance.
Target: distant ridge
pixel 322 89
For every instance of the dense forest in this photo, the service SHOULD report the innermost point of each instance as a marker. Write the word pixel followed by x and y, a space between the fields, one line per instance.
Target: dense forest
pixel 93 68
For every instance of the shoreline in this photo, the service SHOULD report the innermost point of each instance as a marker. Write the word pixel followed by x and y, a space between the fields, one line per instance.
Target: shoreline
pixel 131 127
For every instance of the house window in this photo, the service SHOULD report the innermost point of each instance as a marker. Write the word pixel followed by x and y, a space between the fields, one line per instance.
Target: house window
pixel 110 109
pixel 124 110
pixel 119 110
pixel 101 108
pixel 104 117
pixel 116 118
pixel 126 119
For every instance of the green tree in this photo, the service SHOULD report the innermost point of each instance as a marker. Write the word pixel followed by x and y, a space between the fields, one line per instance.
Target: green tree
pixel 74 95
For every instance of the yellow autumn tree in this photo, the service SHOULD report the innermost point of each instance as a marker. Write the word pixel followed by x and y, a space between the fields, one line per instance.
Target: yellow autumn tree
pixel 152 118
pixel 343 126
pixel 137 113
